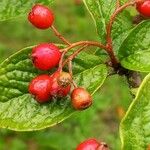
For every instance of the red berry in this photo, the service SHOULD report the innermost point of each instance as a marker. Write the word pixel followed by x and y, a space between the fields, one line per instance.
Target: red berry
pixel 41 17
pixel 90 144
pixel 143 7
pixel 56 89
pixel 46 56
pixel 40 88
pixel 81 99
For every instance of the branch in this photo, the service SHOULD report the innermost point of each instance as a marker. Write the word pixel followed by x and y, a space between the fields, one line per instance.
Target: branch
pixel 60 36
pixel 112 19
pixel 71 73
pixel 88 43
pixel 61 61
pixel 71 57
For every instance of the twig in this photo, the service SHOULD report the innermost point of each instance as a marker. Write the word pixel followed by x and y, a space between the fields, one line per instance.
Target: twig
pixel 71 73
pixel 60 36
pixel 61 61
pixel 71 57
pixel 112 19
pixel 109 44
pixel 88 43
pixel 78 44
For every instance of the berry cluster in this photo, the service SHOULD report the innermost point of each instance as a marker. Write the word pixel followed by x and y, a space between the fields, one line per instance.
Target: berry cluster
pixel 47 56
pixel 92 144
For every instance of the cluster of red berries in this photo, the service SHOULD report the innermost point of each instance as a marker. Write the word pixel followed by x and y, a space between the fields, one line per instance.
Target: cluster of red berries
pixel 143 7
pixel 46 57
pixel 92 144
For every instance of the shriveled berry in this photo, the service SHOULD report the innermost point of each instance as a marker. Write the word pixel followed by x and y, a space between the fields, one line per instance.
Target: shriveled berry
pixel 45 56
pixel 56 89
pixel 41 17
pixel 92 144
pixel 143 7
pixel 64 79
pixel 40 87
pixel 81 99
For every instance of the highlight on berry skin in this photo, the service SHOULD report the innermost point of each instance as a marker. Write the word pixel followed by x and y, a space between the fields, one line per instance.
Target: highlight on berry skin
pixel 92 144
pixel 41 17
pixel 81 99
pixel 39 87
pixel 45 56
pixel 143 7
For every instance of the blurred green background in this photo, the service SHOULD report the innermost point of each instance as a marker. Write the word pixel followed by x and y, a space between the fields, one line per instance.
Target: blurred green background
pixel 101 121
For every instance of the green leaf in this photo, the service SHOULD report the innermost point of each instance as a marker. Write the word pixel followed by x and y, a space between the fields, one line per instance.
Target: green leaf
pixel 139 61
pixel 134 51
pixel 15 8
pixel 135 126
pixel 3 52
pixel 18 109
pixel 101 10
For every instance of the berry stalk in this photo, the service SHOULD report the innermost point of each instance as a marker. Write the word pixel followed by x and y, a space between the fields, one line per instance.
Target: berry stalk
pixel 71 57
pixel 111 21
pixel 62 38
pixel 71 74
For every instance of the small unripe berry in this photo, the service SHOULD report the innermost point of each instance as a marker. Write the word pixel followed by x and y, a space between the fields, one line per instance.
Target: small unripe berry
pixel 64 79
pixel 41 17
pixel 92 144
pixel 45 56
pixel 81 99
pixel 56 89
pixel 143 7
pixel 40 88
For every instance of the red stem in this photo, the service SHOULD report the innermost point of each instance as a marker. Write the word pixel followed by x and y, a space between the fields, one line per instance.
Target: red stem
pixel 109 43
pixel 88 43
pixel 71 73
pixel 112 19
pixel 71 57
pixel 60 36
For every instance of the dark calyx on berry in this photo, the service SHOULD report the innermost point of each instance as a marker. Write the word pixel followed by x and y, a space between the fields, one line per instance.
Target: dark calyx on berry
pixel 81 99
pixel 56 89
pixel 41 17
pixel 143 7
pixel 40 87
pixel 64 79
pixel 45 56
